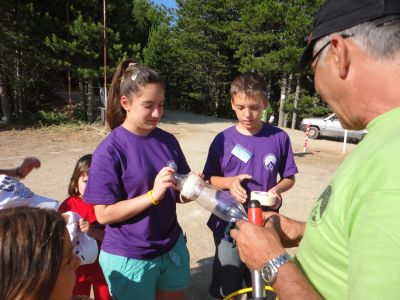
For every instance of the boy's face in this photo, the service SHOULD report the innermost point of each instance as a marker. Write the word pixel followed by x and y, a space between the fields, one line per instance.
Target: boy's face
pixel 248 109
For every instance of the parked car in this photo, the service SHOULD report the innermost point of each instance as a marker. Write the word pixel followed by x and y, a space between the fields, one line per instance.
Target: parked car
pixel 330 126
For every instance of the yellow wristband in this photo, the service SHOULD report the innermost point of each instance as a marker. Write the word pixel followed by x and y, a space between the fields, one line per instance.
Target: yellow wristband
pixel 150 193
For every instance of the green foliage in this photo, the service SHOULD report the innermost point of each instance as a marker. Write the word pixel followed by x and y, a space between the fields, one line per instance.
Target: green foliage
pixel 198 48
pixel 310 106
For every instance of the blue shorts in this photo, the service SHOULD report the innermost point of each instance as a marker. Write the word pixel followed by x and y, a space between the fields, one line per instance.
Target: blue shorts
pixel 130 278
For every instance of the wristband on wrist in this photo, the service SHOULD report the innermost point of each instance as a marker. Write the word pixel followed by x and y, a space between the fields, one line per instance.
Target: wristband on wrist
pixel 153 201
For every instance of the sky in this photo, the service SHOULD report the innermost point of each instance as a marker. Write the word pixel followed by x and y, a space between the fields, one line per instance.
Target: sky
pixel 167 3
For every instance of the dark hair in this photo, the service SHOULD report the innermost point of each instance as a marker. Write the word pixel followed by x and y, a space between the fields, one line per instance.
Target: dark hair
pixel 81 168
pixel 129 78
pixel 249 84
pixel 31 252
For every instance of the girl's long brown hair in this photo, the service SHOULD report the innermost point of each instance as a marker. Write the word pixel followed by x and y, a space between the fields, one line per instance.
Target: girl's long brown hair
pixel 129 78
pixel 31 252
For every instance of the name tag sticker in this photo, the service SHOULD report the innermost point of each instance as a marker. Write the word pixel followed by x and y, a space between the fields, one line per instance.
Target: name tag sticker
pixel 242 153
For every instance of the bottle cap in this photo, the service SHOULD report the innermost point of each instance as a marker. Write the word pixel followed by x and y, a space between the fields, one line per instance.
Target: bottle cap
pixel 254 204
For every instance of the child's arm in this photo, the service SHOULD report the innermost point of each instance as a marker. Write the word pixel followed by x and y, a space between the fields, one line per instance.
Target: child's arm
pixel 233 184
pixel 91 230
pixel 125 209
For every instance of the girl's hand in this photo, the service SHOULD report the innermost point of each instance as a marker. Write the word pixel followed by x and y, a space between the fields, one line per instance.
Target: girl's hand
pixel 236 189
pixel 84 225
pixel 164 180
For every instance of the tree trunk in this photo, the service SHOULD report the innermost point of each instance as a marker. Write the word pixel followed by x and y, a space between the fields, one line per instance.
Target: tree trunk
pixel 288 92
pixel 90 106
pixel 82 95
pixel 16 90
pixel 296 101
pixel 282 101
pixel 5 102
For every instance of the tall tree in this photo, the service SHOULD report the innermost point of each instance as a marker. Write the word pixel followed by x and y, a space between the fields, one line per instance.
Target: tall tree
pixel 200 38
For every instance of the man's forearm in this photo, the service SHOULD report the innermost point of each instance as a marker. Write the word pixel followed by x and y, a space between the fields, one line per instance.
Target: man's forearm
pixel 290 284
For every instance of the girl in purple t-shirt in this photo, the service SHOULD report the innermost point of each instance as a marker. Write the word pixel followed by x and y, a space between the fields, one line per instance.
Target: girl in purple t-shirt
pixel 132 186
pixel 246 157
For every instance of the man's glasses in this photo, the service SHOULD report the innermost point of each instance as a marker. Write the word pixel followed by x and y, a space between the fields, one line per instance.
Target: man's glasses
pixel 308 72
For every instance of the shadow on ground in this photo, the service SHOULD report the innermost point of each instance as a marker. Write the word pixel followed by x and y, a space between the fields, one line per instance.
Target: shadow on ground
pixel 200 280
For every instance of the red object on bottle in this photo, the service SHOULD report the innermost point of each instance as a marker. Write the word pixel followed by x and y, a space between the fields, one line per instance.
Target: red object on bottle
pixel 255 212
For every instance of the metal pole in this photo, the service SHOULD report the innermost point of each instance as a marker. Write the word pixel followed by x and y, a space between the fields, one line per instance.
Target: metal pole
pixel 255 217
pixel 344 142
pixel 105 55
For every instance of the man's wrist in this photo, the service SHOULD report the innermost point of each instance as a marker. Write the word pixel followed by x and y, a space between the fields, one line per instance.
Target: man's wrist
pixel 270 269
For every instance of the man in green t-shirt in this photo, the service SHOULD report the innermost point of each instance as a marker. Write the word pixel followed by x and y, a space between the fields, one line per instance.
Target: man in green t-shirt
pixel 349 247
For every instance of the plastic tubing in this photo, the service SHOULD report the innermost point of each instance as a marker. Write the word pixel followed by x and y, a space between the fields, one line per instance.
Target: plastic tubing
pixel 246 290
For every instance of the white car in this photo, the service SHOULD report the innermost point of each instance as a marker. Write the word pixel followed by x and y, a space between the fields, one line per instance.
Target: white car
pixel 330 126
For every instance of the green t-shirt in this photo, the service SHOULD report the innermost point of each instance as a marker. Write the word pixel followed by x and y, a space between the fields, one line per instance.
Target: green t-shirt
pixel 351 246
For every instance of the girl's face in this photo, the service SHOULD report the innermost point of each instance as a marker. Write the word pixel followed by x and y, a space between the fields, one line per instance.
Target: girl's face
pixel 144 109
pixel 67 275
pixel 82 181
pixel 248 111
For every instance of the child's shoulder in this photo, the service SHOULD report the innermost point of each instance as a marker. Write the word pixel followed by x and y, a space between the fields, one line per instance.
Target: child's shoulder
pixel 68 204
pixel 228 131
pixel 273 130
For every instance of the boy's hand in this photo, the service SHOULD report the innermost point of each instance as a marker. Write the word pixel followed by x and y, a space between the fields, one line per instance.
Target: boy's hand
pixel 278 198
pixel 236 189
pixel 84 225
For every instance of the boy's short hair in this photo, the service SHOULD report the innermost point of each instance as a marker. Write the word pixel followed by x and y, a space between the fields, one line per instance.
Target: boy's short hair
pixel 250 84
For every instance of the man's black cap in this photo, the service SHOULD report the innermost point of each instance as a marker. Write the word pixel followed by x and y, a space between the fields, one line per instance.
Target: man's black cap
pixel 337 15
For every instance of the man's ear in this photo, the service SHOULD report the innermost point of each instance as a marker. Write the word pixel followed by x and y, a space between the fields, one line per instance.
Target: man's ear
pixel 340 52
pixel 232 104
pixel 266 103
pixel 124 101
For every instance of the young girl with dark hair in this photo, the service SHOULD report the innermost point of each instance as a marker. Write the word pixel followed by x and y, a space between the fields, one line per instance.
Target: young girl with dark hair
pixel 132 185
pixel 90 275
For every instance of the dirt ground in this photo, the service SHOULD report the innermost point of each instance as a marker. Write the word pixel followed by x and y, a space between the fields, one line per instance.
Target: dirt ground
pixel 59 148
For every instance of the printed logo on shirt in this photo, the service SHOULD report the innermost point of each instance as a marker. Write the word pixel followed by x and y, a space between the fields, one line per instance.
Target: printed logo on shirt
pixel 269 162
pixel 320 206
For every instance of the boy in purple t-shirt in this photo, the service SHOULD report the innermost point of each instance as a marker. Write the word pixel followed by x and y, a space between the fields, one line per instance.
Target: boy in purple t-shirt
pixel 131 183
pixel 246 157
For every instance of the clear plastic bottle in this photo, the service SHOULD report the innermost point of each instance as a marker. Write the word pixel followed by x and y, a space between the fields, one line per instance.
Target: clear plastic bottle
pixel 220 203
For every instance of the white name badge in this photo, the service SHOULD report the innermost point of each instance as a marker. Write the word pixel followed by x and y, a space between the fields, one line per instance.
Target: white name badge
pixel 242 153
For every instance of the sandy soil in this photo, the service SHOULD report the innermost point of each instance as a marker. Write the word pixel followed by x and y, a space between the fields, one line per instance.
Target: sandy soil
pixel 59 148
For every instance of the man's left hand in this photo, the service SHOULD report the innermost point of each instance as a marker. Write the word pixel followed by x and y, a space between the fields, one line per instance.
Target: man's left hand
pixel 256 244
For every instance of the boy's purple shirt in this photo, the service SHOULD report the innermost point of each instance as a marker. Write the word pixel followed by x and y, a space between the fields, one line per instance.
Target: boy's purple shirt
pixel 271 155
pixel 124 166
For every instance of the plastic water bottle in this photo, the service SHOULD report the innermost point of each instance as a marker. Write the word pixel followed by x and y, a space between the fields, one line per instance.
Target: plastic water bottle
pixel 220 203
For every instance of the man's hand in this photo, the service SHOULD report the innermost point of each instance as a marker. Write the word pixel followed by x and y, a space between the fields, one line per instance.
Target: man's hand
pixel 256 244
pixel 290 231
